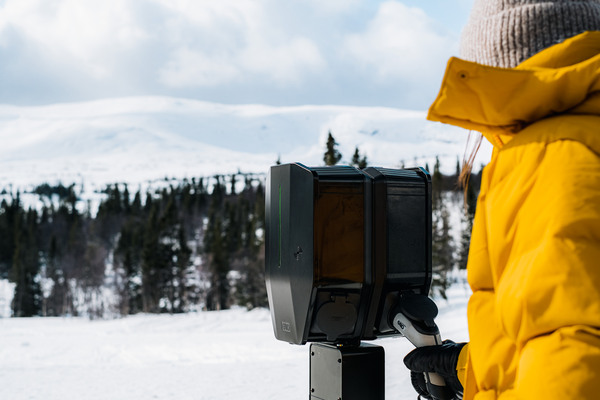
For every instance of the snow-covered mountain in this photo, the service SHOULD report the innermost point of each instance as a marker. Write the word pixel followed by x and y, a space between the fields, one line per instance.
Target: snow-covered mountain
pixel 146 138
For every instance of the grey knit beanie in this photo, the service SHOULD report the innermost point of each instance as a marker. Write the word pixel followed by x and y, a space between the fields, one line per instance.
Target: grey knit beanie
pixel 503 33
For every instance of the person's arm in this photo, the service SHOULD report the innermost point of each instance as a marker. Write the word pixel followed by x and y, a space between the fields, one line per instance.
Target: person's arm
pixel 545 229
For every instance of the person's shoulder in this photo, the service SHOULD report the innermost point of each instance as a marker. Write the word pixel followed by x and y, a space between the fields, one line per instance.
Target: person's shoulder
pixel 570 130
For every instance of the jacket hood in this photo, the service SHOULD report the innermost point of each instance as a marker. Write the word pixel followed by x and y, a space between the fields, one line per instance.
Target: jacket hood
pixel 500 102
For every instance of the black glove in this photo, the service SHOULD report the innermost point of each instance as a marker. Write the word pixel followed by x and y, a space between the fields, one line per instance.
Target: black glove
pixel 439 359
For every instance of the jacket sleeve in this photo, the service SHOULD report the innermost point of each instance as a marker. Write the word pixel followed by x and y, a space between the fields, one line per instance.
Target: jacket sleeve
pixel 461 365
pixel 564 364
pixel 544 233
pixel 464 372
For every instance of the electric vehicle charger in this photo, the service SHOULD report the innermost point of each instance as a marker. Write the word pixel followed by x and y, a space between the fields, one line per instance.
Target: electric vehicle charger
pixel 348 259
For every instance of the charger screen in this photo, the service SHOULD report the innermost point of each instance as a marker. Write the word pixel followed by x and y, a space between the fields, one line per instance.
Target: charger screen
pixel 339 234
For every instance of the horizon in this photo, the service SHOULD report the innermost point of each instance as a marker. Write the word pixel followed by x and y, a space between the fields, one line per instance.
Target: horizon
pixel 137 139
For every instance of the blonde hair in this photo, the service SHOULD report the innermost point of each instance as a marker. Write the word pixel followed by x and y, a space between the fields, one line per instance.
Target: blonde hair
pixel 468 161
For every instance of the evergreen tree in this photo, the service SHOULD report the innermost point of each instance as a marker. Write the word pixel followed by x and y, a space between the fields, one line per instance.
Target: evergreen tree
pixel 182 268
pixel 442 252
pixel 148 204
pixel 71 199
pixel 9 216
pixel 127 259
pixel 233 183
pixel 233 228
pixel 442 246
pixel 151 264
pixel 6 247
pixel 94 264
pixel 126 201
pixel 218 296
pixel 355 158
pixel 251 291
pixel 358 161
pixel 136 205
pixel 92 277
pixel 25 269
pixel 187 204
pixel 76 243
pixel 171 238
pixel 457 172
pixel 59 301
pixel 218 194
pixel 259 206
pixel 436 185
pixel 332 156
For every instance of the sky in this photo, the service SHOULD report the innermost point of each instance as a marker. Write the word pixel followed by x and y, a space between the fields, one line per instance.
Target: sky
pixel 280 53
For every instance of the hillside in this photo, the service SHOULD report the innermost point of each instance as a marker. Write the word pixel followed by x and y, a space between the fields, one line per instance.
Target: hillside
pixel 137 139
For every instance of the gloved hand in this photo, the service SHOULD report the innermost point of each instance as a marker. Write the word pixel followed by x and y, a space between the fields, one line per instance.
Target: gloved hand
pixel 440 359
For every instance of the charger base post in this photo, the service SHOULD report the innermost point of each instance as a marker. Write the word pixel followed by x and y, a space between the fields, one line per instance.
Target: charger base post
pixel 347 372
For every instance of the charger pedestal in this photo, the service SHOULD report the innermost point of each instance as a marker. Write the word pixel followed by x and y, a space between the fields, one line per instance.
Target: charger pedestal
pixel 347 372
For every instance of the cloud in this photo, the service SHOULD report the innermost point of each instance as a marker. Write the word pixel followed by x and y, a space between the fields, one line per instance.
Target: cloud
pixel 188 67
pixel 89 35
pixel 234 51
pixel 400 43
pixel 239 40
pixel 285 63
pixel 331 7
pixel 186 43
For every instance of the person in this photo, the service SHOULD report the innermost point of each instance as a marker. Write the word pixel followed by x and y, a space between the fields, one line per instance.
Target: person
pixel 530 84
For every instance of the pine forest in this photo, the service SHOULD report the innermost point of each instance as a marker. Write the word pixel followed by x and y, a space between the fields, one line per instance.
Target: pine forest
pixel 193 244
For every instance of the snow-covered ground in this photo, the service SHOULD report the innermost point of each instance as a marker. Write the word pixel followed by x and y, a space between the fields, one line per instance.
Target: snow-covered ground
pixel 207 355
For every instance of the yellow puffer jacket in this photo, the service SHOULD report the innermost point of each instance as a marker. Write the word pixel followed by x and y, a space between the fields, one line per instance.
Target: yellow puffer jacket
pixel 534 263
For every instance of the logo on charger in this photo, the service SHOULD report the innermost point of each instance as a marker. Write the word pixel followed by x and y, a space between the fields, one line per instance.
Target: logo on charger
pixel 286 327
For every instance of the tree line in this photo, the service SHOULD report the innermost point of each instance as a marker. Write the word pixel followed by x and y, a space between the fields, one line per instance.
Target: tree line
pixel 192 244
pixel 167 250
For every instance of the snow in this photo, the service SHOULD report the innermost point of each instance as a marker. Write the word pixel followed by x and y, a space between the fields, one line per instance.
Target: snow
pixel 139 139
pixel 7 290
pixel 203 355
pixel 229 354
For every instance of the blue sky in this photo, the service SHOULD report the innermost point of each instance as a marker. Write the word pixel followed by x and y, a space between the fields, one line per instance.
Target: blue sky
pixel 292 52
